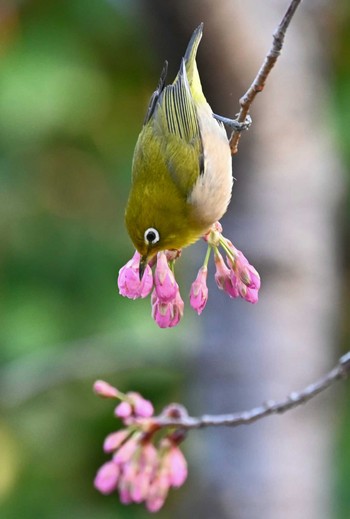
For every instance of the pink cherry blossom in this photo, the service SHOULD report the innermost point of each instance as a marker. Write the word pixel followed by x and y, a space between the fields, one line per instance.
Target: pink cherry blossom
pixel 199 291
pixel 164 280
pixel 105 390
pixel 129 282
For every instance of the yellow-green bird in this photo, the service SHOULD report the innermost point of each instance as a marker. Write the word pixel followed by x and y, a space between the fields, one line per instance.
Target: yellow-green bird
pixel 181 170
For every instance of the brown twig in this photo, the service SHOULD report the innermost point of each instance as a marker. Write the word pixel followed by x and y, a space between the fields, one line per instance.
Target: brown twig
pixel 342 370
pixel 259 82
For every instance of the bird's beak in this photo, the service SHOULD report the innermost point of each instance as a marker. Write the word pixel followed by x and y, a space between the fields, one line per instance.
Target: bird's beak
pixel 142 266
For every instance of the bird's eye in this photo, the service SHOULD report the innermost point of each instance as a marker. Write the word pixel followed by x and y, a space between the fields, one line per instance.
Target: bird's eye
pixel 151 236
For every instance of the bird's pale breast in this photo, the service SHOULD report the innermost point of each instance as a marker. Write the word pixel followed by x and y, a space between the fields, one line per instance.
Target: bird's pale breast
pixel 212 192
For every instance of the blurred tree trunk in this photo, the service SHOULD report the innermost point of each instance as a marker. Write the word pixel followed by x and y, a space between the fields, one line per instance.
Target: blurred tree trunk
pixel 283 216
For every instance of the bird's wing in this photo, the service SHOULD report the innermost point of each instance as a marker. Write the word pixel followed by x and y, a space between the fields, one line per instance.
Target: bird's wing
pixel 175 123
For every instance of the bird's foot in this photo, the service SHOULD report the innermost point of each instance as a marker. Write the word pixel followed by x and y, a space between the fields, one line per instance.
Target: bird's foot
pixel 233 123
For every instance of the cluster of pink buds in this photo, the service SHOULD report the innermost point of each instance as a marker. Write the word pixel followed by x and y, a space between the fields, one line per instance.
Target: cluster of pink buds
pixel 234 275
pixel 239 278
pixel 142 468
pixel 167 304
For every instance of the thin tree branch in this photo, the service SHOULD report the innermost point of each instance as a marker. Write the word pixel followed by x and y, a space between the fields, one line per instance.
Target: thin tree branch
pixel 341 371
pixel 259 82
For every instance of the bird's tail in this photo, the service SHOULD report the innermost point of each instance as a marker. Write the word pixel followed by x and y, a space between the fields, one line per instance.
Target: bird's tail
pixel 191 66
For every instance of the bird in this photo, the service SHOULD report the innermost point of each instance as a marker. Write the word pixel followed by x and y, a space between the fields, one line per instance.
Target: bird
pixel 182 166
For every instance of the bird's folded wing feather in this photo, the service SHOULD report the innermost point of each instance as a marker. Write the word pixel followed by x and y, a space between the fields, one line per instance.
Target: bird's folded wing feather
pixel 175 123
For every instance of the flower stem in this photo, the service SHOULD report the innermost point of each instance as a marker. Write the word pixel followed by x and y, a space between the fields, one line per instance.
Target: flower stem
pixel 226 249
pixel 207 256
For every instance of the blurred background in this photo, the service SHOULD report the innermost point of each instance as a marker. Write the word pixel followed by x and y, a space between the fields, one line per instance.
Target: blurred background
pixel 75 80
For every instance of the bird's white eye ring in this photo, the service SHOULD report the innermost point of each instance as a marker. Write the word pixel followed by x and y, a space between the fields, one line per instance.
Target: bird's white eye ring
pixel 151 236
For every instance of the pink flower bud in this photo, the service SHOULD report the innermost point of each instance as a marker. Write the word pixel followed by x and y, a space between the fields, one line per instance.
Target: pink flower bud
pixel 128 479
pixel 178 310
pixel 139 487
pixel 106 479
pixel 146 468
pixel 129 282
pixel 245 278
pixel 155 503
pixel 105 390
pixel 249 294
pixel 158 491
pixel 255 281
pixel 142 408
pixel 114 440
pixel 177 466
pixel 164 280
pixel 167 315
pixel 149 457
pixel 127 450
pixel 123 410
pixel 224 278
pixel 125 496
pixel 199 291
pixel 162 313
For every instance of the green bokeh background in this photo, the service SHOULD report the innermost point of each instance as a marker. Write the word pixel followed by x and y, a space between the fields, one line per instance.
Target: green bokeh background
pixel 75 79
